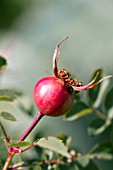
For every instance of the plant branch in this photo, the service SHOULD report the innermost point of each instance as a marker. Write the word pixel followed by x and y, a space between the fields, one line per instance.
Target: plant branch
pixel 30 128
pixel 47 162
pixel 99 114
pixel 8 160
pixel 5 134
pixel 22 138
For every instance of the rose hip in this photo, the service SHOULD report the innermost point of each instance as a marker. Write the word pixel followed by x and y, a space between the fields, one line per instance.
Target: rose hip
pixel 53 95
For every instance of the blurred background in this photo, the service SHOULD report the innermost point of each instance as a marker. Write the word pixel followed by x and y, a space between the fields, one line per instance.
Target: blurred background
pixel 29 32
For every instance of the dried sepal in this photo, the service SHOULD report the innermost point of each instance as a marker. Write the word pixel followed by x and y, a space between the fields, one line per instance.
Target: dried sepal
pixel 91 85
pixel 55 57
pixel 65 76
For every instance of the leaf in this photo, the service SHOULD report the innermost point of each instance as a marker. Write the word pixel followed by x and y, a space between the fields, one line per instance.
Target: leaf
pixel 90 166
pixel 53 144
pixel 24 103
pixel 7 116
pixel 101 156
pixel 102 93
pixel 9 95
pixel 3 63
pixel 102 147
pixel 7 98
pixel 109 99
pixel 97 126
pixel 19 144
pixel 92 94
pixel 65 138
pixel 78 110
pixel 83 161
pixel 103 151
pixel 93 166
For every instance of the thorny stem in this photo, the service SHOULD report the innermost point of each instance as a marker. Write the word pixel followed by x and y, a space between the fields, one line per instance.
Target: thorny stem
pixel 22 138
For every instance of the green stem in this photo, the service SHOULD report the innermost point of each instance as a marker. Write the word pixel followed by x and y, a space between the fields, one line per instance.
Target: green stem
pixel 5 134
pixel 99 114
pixel 102 116
pixel 8 160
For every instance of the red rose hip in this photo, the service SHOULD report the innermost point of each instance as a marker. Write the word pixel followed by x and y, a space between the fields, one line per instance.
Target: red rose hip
pixel 52 97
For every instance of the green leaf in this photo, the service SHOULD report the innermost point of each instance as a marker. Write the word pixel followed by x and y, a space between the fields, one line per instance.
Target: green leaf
pixel 109 99
pixel 83 161
pixel 102 147
pixel 9 95
pixel 97 127
pixel 110 114
pixel 7 116
pixel 78 110
pixel 101 156
pixel 7 98
pixel 91 166
pixel 92 94
pixel 53 144
pixel 103 151
pixel 3 63
pixel 23 102
pixel 65 138
pixel 19 144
